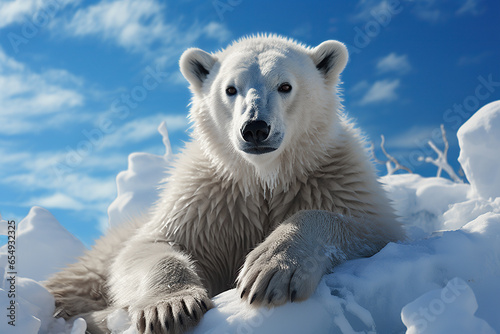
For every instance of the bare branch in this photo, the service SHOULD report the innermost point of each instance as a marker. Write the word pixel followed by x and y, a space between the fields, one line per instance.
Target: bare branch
pixel 392 164
pixel 442 158
pixel 372 151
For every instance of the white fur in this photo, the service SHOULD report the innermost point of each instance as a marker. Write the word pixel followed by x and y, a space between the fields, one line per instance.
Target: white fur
pixel 293 213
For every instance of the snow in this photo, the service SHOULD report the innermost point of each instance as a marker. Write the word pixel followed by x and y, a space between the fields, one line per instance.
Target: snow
pixel 138 185
pixel 422 202
pixel 443 279
pixel 34 303
pixel 42 246
pixel 402 272
pixel 447 310
pixel 479 147
pixel 120 322
pixel 322 313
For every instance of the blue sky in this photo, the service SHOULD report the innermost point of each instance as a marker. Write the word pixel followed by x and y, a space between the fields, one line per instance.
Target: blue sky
pixel 71 68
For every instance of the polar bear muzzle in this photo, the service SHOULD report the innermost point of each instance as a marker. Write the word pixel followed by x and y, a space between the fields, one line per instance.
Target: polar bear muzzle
pixel 255 134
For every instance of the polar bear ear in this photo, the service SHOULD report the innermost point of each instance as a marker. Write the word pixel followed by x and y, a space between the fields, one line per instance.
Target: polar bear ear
pixel 330 58
pixel 195 66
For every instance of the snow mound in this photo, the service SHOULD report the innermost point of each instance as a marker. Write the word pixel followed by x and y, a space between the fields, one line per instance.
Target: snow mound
pixel 447 310
pixel 119 322
pixel 33 308
pixel 138 186
pixel 402 272
pixel 43 246
pixel 322 313
pixel 461 213
pixel 479 140
pixel 421 202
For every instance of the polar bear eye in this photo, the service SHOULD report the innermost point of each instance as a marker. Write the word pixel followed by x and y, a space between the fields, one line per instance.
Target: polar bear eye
pixel 231 91
pixel 285 88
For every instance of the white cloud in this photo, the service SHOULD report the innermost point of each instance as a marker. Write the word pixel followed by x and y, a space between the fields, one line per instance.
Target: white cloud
pixel 176 78
pixel 12 12
pixel 367 8
pixel 56 181
pixel 25 96
pixel 217 31
pixel 9 64
pixel 472 59
pixel 469 7
pixel 56 201
pixel 98 191
pixel 394 63
pixel 139 26
pixel 360 87
pixel 303 30
pixel 426 10
pixel 78 189
pixel 144 128
pixel 433 11
pixel 413 138
pixel 35 170
pixel 15 11
pixel 381 91
pixel 132 23
pixel 428 14
pixel 176 122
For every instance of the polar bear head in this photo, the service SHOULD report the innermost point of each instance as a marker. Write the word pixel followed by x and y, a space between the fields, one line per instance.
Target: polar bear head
pixel 265 101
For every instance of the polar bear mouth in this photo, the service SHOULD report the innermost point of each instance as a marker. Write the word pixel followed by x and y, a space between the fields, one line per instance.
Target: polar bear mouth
pixel 258 149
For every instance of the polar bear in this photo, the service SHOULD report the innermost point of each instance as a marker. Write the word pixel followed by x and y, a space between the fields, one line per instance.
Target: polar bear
pixel 273 191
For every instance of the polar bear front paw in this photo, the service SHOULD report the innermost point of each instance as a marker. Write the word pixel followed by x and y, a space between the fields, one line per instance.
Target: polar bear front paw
pixel 277 272
pixel 173 314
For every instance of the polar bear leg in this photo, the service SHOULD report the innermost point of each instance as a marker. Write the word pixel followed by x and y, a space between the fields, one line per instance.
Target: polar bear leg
pixel 159 286
pixel 289 264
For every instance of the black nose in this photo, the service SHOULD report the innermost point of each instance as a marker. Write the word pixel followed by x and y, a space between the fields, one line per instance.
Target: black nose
pixel 255 132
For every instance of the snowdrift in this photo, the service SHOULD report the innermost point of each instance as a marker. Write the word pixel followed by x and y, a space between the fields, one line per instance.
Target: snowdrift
pixel 443 279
